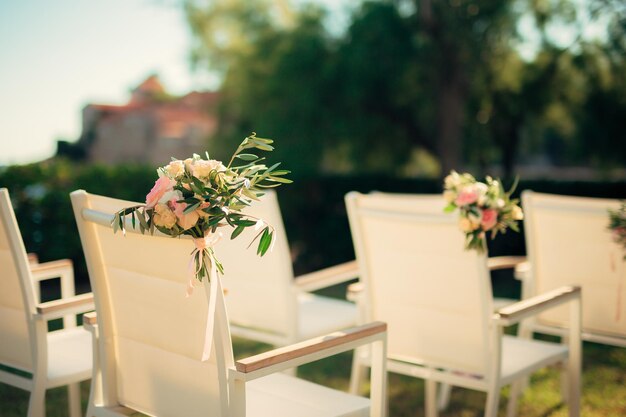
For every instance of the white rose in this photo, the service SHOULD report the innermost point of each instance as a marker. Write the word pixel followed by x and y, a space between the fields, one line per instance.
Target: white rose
pixel 164 217
pixel 202 168
pixel 465 225
pixel 175 169
pixel 452 180
pixel 474 220
pixel 481 189
pixel 449 196
pixel 517 213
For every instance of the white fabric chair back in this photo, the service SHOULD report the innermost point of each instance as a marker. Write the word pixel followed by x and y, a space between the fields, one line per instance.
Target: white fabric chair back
pixel 434 295
pixel 15 287
pixel 151 356
pixel 252 281
pixel 568 242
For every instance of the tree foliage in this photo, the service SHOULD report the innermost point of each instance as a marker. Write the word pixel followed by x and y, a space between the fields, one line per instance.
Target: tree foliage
pixel 409 81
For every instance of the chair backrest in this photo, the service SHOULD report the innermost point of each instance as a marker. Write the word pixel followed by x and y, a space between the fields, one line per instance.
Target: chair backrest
pixel 260 289
pixel 568 242
pixel 434 295
pixel 151 335
pixel 17 295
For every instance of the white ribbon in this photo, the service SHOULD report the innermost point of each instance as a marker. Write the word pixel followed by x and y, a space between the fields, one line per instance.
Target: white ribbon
pixel 215 286
pixel 215 290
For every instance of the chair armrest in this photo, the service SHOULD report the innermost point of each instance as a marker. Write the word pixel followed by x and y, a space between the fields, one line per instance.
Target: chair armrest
pixel 309 350
pixel 51 269
pixel 33 259
pixel 327 277
pixel 354 291
pixel 514 313
pixel 71 305
pixel 90 321
pixel 504 262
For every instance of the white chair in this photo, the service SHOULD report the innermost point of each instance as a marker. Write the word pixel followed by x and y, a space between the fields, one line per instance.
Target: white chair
pixel 149 338
pixel 436 298
pixel 265 301
pixel 432 204
pixel 54 359
pixel 567 240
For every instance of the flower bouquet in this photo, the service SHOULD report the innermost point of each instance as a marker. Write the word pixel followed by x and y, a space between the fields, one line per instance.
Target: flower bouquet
pixel 197 197
pixel 483 207
pixel 617 226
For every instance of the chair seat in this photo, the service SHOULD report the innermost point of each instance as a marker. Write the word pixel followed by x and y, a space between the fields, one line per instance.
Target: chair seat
pixel 521 355
pixel 320 315
pixel 69 356
pixel 279 395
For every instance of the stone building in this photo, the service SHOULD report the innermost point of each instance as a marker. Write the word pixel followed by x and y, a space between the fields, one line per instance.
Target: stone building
pixel 151 128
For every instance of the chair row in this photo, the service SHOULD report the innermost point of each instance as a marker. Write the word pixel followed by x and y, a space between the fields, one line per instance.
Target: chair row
pixel 414 278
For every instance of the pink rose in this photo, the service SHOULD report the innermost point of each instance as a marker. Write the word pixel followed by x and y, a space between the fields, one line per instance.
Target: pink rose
pixel 468 195
pixel 490 219
pixel 161 186
pixel 185 220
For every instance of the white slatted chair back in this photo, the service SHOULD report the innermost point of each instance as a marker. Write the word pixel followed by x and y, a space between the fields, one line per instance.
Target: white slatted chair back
pixel 17 294
pixel 421 281
pixel 260 293
pixel 150 357
pixel 568 241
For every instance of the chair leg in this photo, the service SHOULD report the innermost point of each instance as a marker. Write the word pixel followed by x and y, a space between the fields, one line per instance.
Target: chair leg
pixel 491 407
pixel 430 400
pixel 444 396
pixel 73 400
pixel 357 375
pixel 516 390
pixel 37 401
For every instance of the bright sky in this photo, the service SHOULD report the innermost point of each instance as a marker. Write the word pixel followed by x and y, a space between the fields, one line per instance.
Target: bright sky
pixel 57 56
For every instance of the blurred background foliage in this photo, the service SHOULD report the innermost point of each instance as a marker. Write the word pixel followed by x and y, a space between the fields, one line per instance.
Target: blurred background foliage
pixel 419 87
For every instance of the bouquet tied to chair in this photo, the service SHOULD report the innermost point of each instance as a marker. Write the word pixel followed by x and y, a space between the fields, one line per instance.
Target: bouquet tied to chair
pixel 483 207
pixel 197 197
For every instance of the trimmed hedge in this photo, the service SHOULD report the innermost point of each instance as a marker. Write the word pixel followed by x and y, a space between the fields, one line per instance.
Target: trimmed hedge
pixel 313 208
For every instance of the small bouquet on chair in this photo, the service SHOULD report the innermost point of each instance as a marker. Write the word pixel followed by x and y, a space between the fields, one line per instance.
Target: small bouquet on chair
pixel 617 225
pixel 483 207
pixel 197 197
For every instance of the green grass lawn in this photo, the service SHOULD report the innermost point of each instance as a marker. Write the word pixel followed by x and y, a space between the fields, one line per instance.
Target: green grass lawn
pixel 604 388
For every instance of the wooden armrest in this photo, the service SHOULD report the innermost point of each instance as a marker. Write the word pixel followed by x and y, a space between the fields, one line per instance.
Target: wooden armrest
pixel 328 276
pixel 513 313
pixel 504 262
pixel 354 291
pixel 70 305
pixel 522 271
pixel 51 269
pixel 308 347
pixel 90 318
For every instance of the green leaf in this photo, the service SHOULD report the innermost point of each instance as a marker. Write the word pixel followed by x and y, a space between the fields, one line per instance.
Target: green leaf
pixel 245 222
pixel 450 208
pixel 265 242
pixel 247 156
pixel 237 231
pixel 192 207
pixel 281 172
pixel 264 147
pixel 281 180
